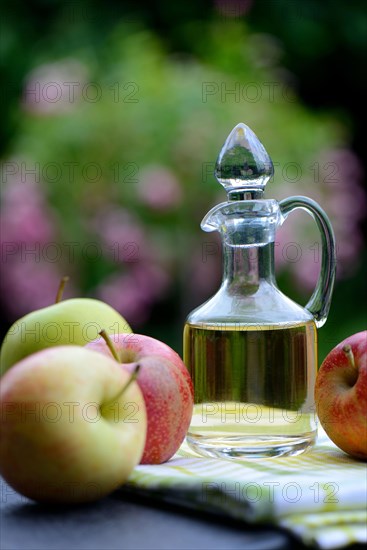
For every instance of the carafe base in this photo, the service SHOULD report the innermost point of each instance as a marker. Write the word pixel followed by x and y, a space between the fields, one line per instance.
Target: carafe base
pixel 237 447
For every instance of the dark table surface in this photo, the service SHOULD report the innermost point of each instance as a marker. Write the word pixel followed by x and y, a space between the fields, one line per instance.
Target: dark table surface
pixel 122 521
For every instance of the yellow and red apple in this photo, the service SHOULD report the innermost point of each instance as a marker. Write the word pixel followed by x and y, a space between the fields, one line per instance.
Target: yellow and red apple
pixel 341 395
pixel 73 425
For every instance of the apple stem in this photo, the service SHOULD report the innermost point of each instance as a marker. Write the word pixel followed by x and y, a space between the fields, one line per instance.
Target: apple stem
pixel 348 352
pixel 132 378
pixel 110 344
pixel 60 290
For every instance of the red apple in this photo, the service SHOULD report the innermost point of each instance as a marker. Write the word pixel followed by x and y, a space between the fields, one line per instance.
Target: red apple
pixel 341 395
pixel 165 384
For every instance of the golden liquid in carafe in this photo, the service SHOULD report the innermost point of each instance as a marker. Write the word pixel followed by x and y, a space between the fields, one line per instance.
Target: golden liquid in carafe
pixel 254 388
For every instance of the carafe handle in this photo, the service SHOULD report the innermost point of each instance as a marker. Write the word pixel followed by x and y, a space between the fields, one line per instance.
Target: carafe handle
pixel 319 303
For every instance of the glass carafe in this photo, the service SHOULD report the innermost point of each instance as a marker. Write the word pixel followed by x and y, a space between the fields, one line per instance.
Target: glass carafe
pixel 252 351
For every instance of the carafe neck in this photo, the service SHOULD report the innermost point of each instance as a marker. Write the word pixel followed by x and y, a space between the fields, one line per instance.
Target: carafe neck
pixel 245 268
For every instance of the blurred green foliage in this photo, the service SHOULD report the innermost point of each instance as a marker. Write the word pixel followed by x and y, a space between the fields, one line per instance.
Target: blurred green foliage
pixel 155 93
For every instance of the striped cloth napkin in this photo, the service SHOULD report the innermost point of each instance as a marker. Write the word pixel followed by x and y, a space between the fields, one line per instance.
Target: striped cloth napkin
pixel 320 496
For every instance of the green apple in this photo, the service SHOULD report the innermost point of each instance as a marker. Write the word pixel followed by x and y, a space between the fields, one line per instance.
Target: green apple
pixel 73 425
pixel 76 321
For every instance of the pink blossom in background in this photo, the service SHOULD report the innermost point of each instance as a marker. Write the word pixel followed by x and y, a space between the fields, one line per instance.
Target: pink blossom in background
pixel 27 286
pixel 29 280
pixel 205 269
pixel 337 188
pixel 57 87
pixel 22 216
pixel 122 233
pixel 340 168
pixel 159 188
pixel 299 252
pixel 134 293
pixel 123 294
pixel 347 207
pixel 152 279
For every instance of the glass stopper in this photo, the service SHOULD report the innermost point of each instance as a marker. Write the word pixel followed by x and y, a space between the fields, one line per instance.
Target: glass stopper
pixel 243 166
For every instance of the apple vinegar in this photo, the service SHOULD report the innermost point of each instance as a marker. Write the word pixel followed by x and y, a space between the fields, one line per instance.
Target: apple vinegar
pixel 253 388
